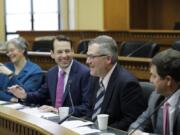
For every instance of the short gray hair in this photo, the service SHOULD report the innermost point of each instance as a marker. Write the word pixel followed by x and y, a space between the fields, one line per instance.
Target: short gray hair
pixel 107 45
pixel 20 43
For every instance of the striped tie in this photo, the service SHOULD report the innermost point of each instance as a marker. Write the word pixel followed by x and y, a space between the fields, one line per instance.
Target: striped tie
pixel 99 100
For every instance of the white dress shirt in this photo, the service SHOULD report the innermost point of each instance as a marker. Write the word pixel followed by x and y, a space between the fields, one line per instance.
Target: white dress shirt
pixel 105 80
pixel 172 107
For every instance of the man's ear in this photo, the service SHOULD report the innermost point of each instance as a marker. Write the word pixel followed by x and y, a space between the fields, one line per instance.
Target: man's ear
pixel 52 54
pixel 22 51
pixel 169 80
pixel 109 59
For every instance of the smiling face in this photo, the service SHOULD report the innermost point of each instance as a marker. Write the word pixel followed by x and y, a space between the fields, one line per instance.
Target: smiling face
pixel 14 53
pixel 98 63
pixel 62 53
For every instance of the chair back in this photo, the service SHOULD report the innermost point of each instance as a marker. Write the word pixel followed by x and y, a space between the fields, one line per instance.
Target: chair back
pixel 42 45
pixel 83 46
pixel 147 89
pixel 177 26
pixel 138 49
pixel 176 45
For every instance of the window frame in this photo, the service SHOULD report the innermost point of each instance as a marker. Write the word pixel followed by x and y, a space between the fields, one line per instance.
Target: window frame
pixel 32 18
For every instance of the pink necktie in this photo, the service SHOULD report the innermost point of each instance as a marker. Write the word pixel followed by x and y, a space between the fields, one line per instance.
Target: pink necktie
pixel 166 118
pixel 60 89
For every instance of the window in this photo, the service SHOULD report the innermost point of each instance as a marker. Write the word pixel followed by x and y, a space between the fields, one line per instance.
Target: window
pixel 31 15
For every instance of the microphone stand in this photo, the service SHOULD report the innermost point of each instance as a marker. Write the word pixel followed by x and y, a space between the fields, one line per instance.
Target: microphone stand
pixel 65 118
pixel 70 97
pixel 157 108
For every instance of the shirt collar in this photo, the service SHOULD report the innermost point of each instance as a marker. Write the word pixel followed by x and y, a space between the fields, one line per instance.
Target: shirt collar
pixel 25 68
pixel 174 98
pixel 67 70
pixel 107 77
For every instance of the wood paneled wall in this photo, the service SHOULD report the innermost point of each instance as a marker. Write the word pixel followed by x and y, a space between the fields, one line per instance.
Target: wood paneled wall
pixel 138 66
pixel 116 15
pixel 163 38
pixel 150 14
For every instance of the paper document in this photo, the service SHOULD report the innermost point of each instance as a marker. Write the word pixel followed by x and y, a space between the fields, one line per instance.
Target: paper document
pixel 4 102
pixel 85 130
pixel 79 126
pixel 15 106
pixel 36 112
pixel 75 123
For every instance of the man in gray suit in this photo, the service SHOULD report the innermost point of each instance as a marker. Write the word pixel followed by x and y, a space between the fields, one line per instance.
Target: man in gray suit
pixel 165 75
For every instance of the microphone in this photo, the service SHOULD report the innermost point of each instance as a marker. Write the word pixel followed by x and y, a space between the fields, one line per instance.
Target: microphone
pixel 71 101
pixel 65 118
pixel 157 108
pixel 136 50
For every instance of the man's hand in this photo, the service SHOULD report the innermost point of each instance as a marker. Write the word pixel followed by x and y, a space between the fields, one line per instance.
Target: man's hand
pixel 17 91
pixel 46 108
pixel 5 70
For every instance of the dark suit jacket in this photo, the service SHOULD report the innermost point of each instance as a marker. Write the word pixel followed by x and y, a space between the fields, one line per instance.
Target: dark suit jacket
pixel 123 99
pixel 79 76
pixel 154 125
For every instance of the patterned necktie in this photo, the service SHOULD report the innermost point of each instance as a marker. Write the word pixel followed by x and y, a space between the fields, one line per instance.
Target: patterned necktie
pixel 166 118
pixel 99 100
pixel 60 89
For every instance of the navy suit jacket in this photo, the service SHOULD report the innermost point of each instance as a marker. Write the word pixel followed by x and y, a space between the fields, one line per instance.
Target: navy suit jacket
pixel 123 99
pixel 79 77
pixel 154 124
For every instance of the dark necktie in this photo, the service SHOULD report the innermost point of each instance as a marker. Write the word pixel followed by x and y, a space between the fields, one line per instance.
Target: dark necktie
pixel 99 100
pixel 166 118
pixel 60 89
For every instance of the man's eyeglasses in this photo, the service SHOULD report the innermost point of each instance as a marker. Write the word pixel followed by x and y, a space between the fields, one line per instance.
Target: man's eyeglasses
pixel 90 56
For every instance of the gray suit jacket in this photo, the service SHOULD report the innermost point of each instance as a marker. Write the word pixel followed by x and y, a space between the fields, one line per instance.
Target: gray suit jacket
pixel 154 125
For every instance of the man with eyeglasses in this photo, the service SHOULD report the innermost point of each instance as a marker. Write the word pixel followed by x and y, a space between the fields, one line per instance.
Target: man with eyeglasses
pixel 69 74
pixel 116 92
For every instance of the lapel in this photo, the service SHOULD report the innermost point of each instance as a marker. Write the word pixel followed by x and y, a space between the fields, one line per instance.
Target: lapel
pixel 72 76
pixel 53 84
pixel 157 100
pixel 109 90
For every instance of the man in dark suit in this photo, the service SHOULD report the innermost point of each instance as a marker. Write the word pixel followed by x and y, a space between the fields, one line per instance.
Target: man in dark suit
pixel 116 92
pixel 75 78
pixel 165 75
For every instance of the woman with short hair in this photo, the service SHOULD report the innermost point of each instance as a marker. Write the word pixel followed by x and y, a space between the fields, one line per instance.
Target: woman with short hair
pixel 20 71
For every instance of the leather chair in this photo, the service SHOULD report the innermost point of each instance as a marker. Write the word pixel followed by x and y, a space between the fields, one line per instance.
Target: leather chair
pixel 147 89
pixel 177 26
pixel 138 49
pixel 42 45
pixel 176 45
pixel 83 46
